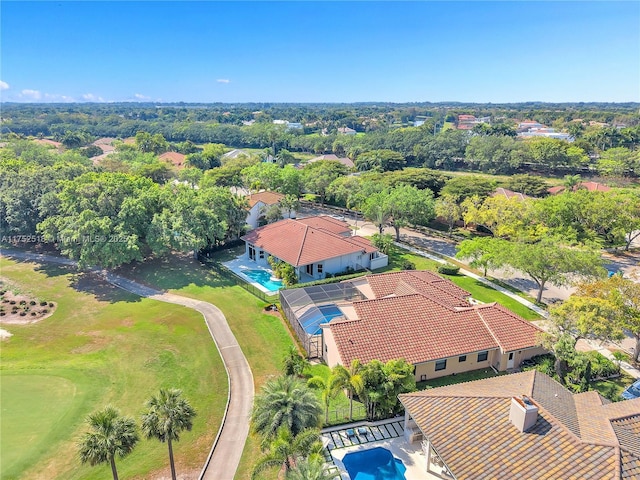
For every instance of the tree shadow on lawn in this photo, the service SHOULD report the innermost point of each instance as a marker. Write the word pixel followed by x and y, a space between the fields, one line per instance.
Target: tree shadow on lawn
pixel 173 272
pixel 103 291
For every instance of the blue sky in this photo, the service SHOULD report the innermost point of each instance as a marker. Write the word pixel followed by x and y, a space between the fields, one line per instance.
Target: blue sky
pixel 320 51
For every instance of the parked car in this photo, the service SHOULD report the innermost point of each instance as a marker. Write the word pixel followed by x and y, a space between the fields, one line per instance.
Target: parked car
pixel 632 391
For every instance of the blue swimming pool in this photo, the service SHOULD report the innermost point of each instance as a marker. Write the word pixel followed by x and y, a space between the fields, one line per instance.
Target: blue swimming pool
pixel 374 464
pixel 312 318
pixel 263 277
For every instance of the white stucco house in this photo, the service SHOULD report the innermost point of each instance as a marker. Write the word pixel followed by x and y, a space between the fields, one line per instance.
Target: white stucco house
pixel 314 246
pixel 260 201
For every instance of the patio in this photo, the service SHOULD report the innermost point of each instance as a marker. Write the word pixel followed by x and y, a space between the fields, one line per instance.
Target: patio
pixel 389 434
pixel 240 264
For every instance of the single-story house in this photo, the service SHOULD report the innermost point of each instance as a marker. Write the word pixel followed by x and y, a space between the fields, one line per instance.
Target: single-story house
pixel 314 246
pixel 258 202
pixel 346 161
pixel 510 194
pixel 524 425
pixel 346 131
pixel 415 315
pixel 589 186
pixel 235 153
pixel 174 158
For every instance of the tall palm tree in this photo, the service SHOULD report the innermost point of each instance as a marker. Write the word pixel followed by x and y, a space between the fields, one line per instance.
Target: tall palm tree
pixel 311 469
pixel 111 435
pixel 329 389
pixel 286 449
pixel 351 380
pixel 167 415
pixel 285 401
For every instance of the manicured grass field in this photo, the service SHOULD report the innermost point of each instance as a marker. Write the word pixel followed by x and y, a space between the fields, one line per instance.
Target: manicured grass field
pixel 613 387
pixel 101 346
pixel 264 338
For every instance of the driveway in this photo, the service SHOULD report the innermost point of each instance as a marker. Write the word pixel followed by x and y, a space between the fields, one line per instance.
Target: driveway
pixel 224 457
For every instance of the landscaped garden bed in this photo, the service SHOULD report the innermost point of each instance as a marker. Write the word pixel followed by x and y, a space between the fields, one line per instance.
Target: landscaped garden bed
pixel 20 308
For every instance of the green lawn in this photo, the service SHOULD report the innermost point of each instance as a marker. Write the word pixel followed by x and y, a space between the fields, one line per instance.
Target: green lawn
pixel 612 388
pixel 478 290
pixel 102 346
pixel 339 406
pixel 264 338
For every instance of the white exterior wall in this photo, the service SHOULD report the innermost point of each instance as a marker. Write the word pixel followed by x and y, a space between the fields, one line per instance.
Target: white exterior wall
pixel 330 354
pixel 254 214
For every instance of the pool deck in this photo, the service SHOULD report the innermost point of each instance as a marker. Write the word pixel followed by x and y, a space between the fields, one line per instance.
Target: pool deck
pixel 237 265
pixel 388 434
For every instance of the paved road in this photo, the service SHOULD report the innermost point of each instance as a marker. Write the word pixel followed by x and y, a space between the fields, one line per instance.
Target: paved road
pixel 226 451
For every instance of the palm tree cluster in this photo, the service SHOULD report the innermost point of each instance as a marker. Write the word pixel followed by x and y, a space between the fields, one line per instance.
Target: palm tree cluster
pixel 112 435
pixel 287 415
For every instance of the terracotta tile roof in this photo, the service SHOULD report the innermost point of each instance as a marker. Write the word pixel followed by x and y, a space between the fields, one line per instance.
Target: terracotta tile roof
pixel 418 281
pixel 268 198
pixel 468 424
pixel 46 141
pixel 510 194
pixel 590 186
pixel 346 161
pixel 421 328
pixel 298 243
pixel 325 222
pixel 175 158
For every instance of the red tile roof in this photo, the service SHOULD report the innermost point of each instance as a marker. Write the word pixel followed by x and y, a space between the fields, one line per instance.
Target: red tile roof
pixel 298 243
pixel 347 162
pixel 590 186
pixel 175 158
pixel 510 194
pixel 422 328
pixel 468 424
pixel 268 198
pixel 418 281
pixel 325 222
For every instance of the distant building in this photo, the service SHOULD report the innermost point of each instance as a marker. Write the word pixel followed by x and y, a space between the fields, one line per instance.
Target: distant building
pixel 235 153
pixel 174 158
pixel 346 131
pixel 510 194
pixel 590 186
pixel 347 162
pixel 258 202
pixel 546 132
pixel 467 122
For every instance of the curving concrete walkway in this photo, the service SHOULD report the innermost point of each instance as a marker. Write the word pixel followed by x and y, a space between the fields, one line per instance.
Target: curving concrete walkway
pixel 224 457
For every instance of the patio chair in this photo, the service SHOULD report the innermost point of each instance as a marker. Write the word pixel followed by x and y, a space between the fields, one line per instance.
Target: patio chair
pixel 363 432
pixel 351 434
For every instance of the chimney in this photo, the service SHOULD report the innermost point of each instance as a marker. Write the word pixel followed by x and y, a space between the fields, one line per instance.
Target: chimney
pixel 523 413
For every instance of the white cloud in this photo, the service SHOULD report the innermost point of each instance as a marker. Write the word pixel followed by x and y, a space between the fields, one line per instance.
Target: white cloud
pixel 139 96
pixel 90 97
pixel 32 94
pixel 55 97
pixel 223 80
pixel 4 85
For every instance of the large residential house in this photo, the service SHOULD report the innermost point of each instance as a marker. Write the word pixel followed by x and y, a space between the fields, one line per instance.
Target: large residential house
pixel 509 194
pixel 259 202
pixel 523 426
pixel 417 316
pixel 346 131
pixel 314 246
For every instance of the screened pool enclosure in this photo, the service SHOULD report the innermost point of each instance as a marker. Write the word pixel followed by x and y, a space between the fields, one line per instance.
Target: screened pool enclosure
pixel 308 308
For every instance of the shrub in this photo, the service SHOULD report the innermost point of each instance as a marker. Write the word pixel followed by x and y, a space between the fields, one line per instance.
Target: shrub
pixel 32 302
pixel 43 304
pixel 12 302
pixel 448 269
pixel 33 314
pixel 50 304
pixel 22 314
pixel 45 311
pixel 2 292
pixel 23 302
pixel 2 314
pixel 407 265
pixel 601 366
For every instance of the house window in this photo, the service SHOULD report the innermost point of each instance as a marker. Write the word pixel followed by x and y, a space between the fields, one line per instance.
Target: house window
pixel 462 358
pixel 252 253
pixel 309 269
pixel 441 365
pixel 372 256
pixel 319 268
pixel 482 356
pixel 423 378
pixel 261 254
